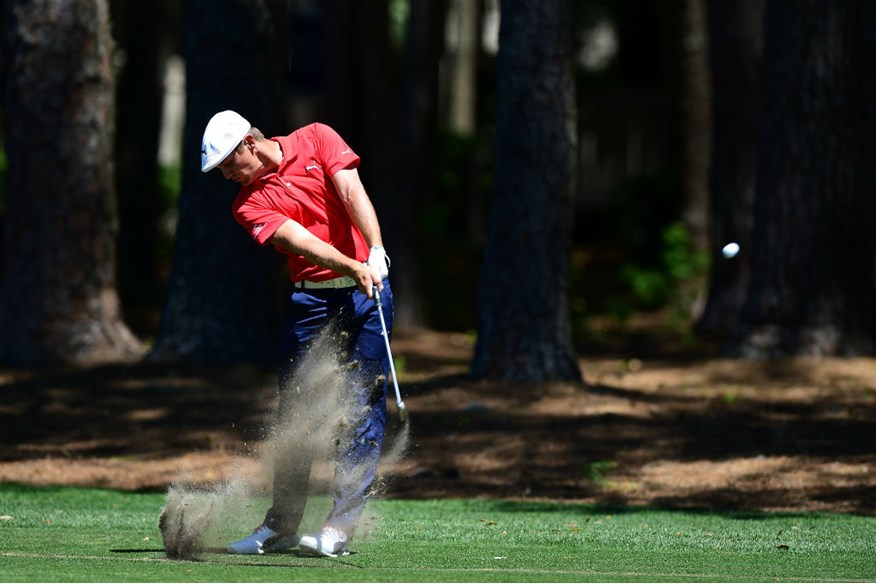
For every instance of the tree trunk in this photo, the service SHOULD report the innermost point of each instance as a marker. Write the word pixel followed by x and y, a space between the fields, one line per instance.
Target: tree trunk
pixel 462 64
pixel 224 297
pixel 143 33
pixel 736 51
pixel 415 169
pixel 812 290
pixel 360 89
pixel 58 299
pixel 868 154
pixel 696 136
pixel 387 127
pixel 698 130
pixel 524 331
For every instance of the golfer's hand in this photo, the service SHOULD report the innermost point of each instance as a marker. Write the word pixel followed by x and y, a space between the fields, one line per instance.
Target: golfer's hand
pixel 366 279
pixel 379 261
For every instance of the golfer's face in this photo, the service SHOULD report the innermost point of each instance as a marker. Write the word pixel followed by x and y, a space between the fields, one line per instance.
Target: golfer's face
pixel 237 166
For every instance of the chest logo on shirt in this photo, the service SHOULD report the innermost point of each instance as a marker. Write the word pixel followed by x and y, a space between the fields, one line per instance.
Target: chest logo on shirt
pixel 310 167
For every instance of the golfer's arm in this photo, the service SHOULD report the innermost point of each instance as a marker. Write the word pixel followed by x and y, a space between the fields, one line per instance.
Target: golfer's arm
pixel 358 205
pixel 293 237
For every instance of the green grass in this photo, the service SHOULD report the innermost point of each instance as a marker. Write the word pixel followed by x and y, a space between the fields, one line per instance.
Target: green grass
pixel 69 534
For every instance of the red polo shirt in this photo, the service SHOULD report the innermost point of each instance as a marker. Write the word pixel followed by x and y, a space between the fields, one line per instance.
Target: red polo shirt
pixel 302 189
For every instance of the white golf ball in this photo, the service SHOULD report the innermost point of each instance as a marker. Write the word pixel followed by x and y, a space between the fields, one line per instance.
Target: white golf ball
pixel 730 250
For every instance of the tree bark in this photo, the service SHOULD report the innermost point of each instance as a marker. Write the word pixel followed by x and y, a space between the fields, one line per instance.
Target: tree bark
pixel 736 53
pixel 524 331
pixel 812 290
pixel 224 297
pixel 58 299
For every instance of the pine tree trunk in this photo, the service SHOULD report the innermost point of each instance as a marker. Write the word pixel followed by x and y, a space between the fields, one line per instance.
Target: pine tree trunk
pixel 143 32
pixel 697 122
pixel 415 155
pixel 225 295
pixel 868 156
pixel 462 67
pixel 58 299
pixel 736 49
pixel 812 290
pixel 524 331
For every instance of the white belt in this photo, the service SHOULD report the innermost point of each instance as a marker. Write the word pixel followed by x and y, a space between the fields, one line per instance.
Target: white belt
pixel 340 282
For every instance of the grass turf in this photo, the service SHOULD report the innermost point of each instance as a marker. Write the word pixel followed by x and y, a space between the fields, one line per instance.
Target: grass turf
pixel 73 535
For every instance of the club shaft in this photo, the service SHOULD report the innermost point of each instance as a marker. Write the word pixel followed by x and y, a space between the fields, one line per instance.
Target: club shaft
pixel 398 399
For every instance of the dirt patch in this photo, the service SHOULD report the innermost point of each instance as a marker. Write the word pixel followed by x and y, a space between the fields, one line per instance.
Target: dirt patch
pixel 672 432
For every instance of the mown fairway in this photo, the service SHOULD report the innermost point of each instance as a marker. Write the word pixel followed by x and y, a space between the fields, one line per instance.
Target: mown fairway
pixel 68 534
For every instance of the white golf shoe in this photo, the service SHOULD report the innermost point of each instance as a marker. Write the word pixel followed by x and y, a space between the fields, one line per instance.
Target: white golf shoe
pixel 263 540
pixel 329 542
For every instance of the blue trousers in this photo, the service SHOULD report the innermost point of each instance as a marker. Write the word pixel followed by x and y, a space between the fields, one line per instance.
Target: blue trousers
pixel 356 337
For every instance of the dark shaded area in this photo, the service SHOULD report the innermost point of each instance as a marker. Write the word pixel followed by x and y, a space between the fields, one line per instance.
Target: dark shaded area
pixel 147 411
pixel 692 428
pixel 473 439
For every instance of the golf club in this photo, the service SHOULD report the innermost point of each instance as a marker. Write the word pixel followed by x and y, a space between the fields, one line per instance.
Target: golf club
pixel 402 412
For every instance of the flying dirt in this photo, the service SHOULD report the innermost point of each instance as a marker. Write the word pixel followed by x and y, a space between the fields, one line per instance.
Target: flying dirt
pixel 197 518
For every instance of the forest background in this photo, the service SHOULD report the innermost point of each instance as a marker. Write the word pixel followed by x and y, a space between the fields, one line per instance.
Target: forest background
pixel 555 182
pixel 544 172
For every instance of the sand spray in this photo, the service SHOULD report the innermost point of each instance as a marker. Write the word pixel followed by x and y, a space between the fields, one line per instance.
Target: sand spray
pixel 198 518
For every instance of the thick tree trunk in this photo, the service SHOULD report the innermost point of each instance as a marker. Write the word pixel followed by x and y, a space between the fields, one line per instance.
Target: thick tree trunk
pixel 524 331
pixel 736 51
pixel 224 297
pixel 812 290
pixel 58 300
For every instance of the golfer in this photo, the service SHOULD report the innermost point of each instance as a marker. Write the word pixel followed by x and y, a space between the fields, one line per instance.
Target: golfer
pixel 302 194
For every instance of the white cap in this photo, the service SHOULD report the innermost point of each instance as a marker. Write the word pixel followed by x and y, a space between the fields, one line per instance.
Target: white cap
pixel 223 133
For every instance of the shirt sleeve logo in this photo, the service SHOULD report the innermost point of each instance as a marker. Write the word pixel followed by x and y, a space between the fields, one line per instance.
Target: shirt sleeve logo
pixel 257 228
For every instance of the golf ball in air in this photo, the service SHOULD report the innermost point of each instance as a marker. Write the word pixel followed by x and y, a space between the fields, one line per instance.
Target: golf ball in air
pixel 730 250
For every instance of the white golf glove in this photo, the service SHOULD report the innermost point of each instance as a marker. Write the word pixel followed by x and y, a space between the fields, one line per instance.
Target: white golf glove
pixel 378 260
